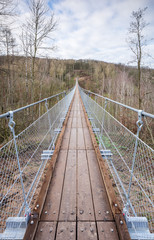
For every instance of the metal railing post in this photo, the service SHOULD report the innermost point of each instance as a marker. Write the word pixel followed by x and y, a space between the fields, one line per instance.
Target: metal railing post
pixel 105 105
pixel 139 124
pixel 12 126
pixel 46 105
pixel 65 105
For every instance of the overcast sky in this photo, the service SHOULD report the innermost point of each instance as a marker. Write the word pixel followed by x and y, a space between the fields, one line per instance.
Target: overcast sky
pixel 97 29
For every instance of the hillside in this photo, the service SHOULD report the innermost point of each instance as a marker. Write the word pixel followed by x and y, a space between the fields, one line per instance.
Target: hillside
pixel 118 82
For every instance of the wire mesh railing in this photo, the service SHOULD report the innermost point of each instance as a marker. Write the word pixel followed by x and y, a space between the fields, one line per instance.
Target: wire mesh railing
pixel 130 159
pixel 21 165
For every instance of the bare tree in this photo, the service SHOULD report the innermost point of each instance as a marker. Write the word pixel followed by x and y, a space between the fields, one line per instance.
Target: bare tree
pixel 8 44
pixel 137 42
pixel 7 7
pixel 38 28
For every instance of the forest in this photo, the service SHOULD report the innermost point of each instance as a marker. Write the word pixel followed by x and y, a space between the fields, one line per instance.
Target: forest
pixel 115 81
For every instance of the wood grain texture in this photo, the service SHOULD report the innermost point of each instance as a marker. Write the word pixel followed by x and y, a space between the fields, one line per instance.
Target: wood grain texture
pixel 101 203
pixel 68 204
pixel 87 231
pixel 66 231
pixel 80 139
pixel 46 230
pixel 85 204
pixel 50 210
pixel 72 144
pixel 107 231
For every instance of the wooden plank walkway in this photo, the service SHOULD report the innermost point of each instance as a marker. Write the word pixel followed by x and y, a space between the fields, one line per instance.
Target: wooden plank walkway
pixel 76 206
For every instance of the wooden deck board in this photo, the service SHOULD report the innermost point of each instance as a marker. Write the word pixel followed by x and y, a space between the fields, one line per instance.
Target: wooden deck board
pixel 79 124
pixel 87 138
pixel 51 207
pixel 46 230
pixel 107 231
pixel 72 144
pixel 68 204
pixel 85 204
pixel 80 139
pixel 74 122
pixel 69 123
pixel 87 231
pixel 66 138
pixel 66 231
pixel 101 203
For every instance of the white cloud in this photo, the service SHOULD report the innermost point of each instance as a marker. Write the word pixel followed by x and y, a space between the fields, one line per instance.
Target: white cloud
pixel 95 29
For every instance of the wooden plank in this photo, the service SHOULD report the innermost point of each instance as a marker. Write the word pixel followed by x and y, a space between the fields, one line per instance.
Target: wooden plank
pixel 72 144
pixel 78 105
pixel 75 113
pixel 101 202
pixel 80 139
pixel 79 122
pixel 51 207
pixel 85 209
pixel 82 113
pixel 66 138
pixel 46 230
pixel 66 231
pixel 69 123
pixel 71 113
pixel 84 124
pixel 107 230
pixel 74 122
pixel 78 113
pixel 87 138
pixel 87 231
pixel 68 204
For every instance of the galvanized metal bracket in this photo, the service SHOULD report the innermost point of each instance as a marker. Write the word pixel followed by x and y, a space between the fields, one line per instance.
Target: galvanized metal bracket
pixel 138 227
pixel 139 123
pixel 11 121
pixel 96 130
pixel 57 130
pixel 46 154
pixel 106 153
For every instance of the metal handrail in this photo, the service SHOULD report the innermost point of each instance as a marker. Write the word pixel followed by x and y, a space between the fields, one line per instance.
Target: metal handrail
pixel 130 161
pixel 7 114
pixel 143 113
pixel 21 158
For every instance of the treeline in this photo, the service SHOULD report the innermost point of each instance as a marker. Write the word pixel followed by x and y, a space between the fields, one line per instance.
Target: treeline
pixel 51 76
pixel 120 83
pixel 117 82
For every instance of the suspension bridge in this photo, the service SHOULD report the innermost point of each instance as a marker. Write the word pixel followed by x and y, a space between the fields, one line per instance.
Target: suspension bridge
pixel 76 173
